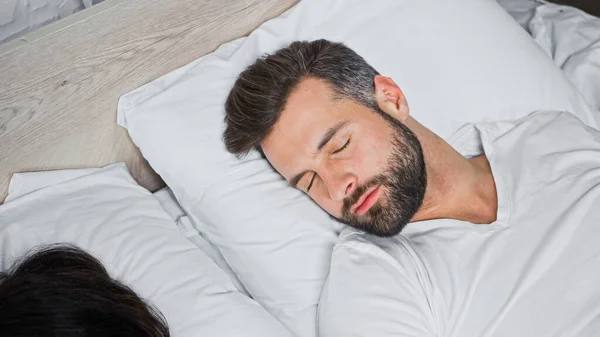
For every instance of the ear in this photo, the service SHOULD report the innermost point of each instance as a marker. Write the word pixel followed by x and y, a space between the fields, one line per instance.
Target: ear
pixel 390 98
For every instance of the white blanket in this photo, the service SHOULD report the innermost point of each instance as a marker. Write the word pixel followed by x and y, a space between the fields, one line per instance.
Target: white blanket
pixel 569 36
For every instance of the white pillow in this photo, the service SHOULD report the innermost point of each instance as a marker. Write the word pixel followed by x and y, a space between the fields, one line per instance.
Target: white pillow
pixel 107 214
pixel 456 61
pixel 169 203
pixel 26 182
pixel 188 228
pixel 22 183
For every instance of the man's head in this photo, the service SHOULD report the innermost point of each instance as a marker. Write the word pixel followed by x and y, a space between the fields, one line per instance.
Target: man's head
pixel 63 291
pixel 334 128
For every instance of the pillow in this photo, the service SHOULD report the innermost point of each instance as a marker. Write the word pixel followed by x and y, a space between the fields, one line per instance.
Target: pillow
pixel 456 61
pixel 27 182
pixel 169 203
pixel 188 228
pixel 22 183
pixel 107 214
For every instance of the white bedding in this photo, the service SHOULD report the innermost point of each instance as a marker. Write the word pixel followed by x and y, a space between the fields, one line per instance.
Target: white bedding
pixel 107 214
pixel 189 229
pixel 275 238
pixel 28 182
pixel 569 36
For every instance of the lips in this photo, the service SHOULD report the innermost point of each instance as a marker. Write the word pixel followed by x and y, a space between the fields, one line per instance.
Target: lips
pixel 366 201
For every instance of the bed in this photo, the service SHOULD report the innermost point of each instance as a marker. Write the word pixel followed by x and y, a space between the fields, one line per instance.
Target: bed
pixel 60 89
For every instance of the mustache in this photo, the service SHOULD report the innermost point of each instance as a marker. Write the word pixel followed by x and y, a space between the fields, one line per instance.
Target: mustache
pixel 360 190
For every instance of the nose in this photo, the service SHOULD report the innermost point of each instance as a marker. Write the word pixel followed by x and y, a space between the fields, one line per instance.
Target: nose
pixel 340 185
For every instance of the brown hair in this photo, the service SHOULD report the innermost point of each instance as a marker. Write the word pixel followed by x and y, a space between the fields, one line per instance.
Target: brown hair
pixel 261 91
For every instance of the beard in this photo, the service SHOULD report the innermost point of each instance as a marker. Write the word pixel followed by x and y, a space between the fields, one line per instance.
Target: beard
pixel 405 180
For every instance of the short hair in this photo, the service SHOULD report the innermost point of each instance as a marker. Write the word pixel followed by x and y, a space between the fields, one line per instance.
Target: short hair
pixel 260 93
pixel 60 290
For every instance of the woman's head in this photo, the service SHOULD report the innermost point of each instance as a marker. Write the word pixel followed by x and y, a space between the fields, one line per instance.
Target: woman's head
pixel 60 290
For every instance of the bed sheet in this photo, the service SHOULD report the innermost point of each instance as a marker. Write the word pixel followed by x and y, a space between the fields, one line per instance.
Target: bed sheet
pixel 188 229
pixel 569 36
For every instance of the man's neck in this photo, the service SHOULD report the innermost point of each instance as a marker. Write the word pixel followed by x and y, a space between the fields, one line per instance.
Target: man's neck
pixel 457 188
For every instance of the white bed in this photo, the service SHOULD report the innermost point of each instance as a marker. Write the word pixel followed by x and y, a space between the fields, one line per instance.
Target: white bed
pixel 57 111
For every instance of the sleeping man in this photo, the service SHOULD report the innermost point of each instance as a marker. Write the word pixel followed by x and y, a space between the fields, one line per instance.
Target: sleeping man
pixel 500 224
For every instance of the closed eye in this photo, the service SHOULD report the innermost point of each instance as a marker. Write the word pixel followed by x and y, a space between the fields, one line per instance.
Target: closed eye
pixel 343 147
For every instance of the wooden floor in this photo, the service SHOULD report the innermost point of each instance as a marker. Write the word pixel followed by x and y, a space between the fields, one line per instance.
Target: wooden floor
pixel 59 86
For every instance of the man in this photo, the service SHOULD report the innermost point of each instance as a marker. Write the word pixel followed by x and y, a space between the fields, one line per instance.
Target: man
pixel 504 217
pixel 61 290
pixel 336 129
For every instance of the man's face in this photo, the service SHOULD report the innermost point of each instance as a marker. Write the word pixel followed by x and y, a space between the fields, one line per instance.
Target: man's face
pixel 363 167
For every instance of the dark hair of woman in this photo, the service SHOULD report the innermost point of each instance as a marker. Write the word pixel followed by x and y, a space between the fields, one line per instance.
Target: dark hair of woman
pixel 60 290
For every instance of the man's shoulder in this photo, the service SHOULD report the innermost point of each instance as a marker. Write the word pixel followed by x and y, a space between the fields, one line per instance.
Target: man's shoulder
pixel 393 251
pixel 365 281
pixel 537 120
pixel 468 139
pixel 544 130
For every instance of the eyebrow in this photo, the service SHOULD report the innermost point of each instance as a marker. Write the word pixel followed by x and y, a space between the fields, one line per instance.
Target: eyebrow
pixel 331 132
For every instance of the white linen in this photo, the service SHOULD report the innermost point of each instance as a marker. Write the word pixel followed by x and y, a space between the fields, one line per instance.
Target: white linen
pixel 533 272
pixel 27 182
pixel 107 214
pixel 22 183
pixel 521 10
pixel 456 61
pixel 572 38
pixel 569 36
pixel 189 229
pixel 169 203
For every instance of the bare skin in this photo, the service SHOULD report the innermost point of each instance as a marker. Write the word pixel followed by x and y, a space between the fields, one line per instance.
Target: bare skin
pixel 457 188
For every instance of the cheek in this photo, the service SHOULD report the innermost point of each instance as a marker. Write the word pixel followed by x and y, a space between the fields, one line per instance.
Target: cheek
pixel 322 198
pixel 371 159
